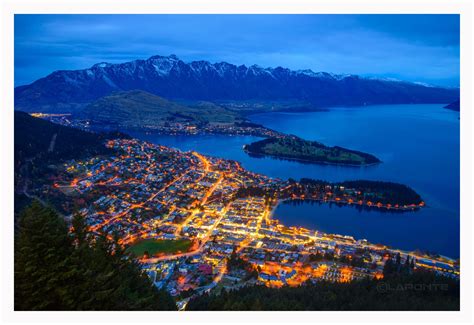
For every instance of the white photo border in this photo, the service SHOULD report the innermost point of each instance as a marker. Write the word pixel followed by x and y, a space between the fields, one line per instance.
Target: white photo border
pixel 11 7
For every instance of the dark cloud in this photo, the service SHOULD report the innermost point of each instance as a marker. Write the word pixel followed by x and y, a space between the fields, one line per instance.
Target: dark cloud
pixel 421 48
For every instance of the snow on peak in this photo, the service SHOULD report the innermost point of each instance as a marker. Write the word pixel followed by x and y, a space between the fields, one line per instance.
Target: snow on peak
pixel 171 57
pixel 311 73
pixel 101 65
pixel 307 72
pixel 385 79
pixel 163 64
pixel 424 84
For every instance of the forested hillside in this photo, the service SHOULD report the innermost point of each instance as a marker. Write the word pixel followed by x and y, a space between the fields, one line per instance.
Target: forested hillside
pixel 58 271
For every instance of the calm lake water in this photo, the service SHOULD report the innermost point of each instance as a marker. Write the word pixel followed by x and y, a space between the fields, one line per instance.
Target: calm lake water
pixel 418 144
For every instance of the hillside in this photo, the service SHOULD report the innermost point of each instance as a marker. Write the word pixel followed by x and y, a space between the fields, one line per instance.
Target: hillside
pixel 137 108
pixel 37 138
pixel 60 270
pixel 170 77
pixel 294 148
pixel 39 143
pixel 455 106
pixel 380 295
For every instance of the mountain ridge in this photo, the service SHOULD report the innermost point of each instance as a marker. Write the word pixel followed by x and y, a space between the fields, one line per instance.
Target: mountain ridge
pixel 454 106
pixel 172 78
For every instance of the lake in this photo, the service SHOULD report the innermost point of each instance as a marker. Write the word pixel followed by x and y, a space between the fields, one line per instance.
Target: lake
pixel 418 144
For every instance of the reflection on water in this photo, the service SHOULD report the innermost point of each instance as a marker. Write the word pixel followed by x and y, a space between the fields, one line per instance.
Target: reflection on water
pixel 418 144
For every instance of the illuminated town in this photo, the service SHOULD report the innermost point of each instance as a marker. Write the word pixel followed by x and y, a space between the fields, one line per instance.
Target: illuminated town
pixel 219 215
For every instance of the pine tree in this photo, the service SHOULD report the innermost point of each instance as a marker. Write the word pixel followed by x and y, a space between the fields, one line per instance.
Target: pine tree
pixel 56 271
pixel 398 259
pixel 79 229
pixel 388 268
pixel 42 261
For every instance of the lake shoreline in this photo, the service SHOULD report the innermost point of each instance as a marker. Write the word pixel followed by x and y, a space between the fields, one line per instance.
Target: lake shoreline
pixel 377 130
pixel 383 209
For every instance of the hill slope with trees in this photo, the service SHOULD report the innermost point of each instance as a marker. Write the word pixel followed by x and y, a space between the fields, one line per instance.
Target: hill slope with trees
pixel 396 292
pixel 55 270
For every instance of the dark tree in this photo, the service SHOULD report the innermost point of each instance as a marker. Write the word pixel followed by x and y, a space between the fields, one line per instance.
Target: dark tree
pixel 58 271
pixel 365 294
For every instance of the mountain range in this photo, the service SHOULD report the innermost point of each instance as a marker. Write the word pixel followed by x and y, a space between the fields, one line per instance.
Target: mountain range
pixel 172 78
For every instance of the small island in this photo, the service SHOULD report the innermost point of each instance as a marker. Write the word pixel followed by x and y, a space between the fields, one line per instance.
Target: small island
pixel 295 148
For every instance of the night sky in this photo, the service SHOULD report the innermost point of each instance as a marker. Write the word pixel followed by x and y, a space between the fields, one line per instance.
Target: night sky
pixel 419 48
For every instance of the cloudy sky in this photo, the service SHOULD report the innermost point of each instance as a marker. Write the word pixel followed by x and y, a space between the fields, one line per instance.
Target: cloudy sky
pixel 420 48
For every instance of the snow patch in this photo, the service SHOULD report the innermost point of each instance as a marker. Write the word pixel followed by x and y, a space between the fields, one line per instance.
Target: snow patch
pixel 101 65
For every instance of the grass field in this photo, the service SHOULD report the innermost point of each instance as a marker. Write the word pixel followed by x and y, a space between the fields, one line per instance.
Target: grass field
pixel 157 246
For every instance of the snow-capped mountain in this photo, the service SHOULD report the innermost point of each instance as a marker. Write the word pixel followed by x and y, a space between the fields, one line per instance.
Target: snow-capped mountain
pixel 172 78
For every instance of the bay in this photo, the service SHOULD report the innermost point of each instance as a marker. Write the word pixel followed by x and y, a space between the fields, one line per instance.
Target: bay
pixel 418 146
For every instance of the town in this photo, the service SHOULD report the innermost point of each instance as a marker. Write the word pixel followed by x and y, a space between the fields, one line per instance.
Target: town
pixel 167 127
pixel 197 223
